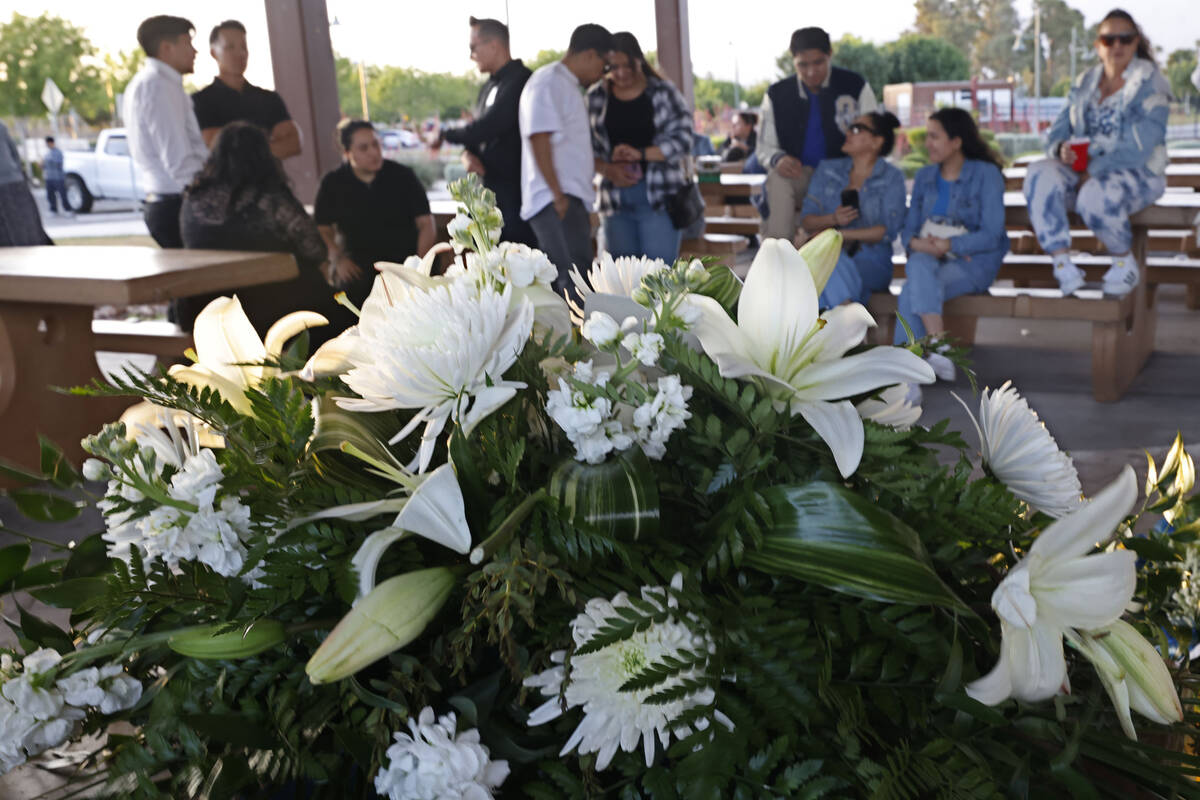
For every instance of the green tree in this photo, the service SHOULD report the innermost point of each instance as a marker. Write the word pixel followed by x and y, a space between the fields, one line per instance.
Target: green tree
pixel 956 21
pixel 866 59
pixel 784 65
pixel 915 57
pixel 1057 21
pixel 992 51
pixel 33 49
pixel 712 94
pixel 1180 64
pixel 544 57
pixel 752 95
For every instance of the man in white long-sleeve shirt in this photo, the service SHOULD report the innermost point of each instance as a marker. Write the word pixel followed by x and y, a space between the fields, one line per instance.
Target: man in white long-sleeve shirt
pixel 164 137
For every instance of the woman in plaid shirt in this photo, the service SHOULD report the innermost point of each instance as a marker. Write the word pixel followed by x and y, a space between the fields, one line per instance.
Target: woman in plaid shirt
pixel 641 137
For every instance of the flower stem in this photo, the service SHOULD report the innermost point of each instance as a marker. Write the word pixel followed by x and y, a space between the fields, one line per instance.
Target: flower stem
pixel 506 529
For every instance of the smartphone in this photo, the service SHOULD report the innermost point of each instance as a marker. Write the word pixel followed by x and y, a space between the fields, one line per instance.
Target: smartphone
pixel 850 198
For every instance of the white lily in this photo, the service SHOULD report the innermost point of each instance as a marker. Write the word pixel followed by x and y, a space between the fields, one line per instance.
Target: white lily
pixel 1058 586
pixel 1133 674
pixel 229 354
pixel 145 416
pixel 1022 454
pixel 798 357
pixel 442 351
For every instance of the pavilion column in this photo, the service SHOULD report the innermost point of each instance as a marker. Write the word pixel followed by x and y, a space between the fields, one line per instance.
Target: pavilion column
pixel 674 45
pixel 302 59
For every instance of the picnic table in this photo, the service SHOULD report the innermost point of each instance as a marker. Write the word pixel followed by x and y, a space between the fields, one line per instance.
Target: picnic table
pixel 47 339
pixel 729 186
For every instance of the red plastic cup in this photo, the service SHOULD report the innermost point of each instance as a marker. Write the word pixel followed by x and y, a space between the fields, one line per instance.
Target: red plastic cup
pixel 1079 150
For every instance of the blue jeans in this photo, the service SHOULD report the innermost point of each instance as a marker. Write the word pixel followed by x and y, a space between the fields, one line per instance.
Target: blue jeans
pixel 54 190
pixel 856 276
pixel 930 282
pixel 638 229
pixel 1104 202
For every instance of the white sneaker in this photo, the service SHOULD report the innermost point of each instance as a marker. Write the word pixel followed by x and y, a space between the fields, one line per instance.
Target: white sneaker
pixel 1069 277
pixel 1122 276
pixel 943 367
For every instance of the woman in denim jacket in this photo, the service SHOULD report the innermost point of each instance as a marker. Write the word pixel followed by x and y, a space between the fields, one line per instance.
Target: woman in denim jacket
pixel 641 138
pixel 1120 108
pixel 868 226
pixel 954 231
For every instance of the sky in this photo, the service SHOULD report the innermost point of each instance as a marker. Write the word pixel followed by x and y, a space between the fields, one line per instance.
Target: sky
pixel 743 36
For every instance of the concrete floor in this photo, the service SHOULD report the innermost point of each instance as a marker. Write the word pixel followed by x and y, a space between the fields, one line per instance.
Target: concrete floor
pixel 1049 362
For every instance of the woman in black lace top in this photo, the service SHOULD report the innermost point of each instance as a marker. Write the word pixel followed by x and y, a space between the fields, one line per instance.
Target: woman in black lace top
pixel 241 200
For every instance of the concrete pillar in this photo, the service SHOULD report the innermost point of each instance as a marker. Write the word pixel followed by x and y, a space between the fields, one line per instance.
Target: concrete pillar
pixel 302 59
pixel 674 44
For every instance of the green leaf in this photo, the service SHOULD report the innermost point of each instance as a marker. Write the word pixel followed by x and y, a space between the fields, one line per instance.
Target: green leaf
pixel 12 561
pixel 40 574
pixel 19 474
pixel 618 497
pixel 232 728
pixel 55 465
pixel 45 634
pixel 88 558
pixel 828 535
pixel 43 507
pixel 70 593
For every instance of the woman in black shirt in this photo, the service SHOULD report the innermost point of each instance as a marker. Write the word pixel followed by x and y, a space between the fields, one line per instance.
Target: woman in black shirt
pixel 241 200
pixel 641 139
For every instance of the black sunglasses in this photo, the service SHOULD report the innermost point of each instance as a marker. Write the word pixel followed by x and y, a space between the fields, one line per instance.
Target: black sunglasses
pixel 1109 39
pixel 858 127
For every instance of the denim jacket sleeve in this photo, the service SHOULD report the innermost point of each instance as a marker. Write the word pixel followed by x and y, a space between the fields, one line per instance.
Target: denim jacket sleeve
pixel 1060 131
pixel 1142 132
pixel 990 234
pixel 893 204
pixel 922 184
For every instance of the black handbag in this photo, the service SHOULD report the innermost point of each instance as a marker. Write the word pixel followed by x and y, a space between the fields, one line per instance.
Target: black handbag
pixel 686 205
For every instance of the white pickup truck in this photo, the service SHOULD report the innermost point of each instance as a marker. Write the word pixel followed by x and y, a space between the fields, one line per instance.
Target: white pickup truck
pixel 105 173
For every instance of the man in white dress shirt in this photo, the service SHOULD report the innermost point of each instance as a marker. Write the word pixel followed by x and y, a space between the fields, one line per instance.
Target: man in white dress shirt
pixel 164 137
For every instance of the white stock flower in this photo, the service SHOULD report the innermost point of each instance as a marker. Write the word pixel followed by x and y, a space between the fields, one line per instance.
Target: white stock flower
pixel 1059 585
pixel 892 408
pixel 520 265
pixel 107 688
pixel 601 329
pixel 798 357
pixel 1022 454
pixel 32 717
pixel 589 423
pixel 442 352
pixel 665 413
pixel 433 762
pixel 458 231
pixel 614 719
pixel 644 347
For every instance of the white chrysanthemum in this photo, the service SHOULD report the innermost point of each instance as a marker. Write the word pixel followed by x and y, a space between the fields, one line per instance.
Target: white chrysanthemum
pixel 1022 454
pixel 893 408
pixel 441 351
pixel 612 718
pixel 433 763
pixel 615 276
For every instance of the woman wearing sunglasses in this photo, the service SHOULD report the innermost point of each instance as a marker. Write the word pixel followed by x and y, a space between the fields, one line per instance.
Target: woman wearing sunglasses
pixel 641 137
pixel 1107 155
pixel 863 196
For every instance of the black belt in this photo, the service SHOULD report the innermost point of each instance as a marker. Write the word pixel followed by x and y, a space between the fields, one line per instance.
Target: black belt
pixel 156 197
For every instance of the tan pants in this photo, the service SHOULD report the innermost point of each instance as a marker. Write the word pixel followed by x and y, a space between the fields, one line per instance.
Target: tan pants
pixel 785 196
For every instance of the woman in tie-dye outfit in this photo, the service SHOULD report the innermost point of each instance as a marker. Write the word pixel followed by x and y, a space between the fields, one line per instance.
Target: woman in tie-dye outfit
pixel 1120 107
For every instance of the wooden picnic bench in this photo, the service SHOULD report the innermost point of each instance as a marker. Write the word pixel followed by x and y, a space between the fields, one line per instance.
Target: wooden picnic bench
pixel 1123 328
pixel 1180 175
pixel 48 338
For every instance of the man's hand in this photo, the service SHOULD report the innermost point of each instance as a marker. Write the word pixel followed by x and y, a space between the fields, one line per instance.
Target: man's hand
pixel 939 246
pixel 844 215
pixel 472 163
pixel 922 244
pixel 618 175
pixel 790 167
pixel 344 270
pixel 560 206
pixel 626 152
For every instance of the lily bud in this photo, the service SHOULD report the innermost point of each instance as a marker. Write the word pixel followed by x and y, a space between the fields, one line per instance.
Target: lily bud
pixel 821 254
pixel 1133 674
pixel 393 614
pixel 204 642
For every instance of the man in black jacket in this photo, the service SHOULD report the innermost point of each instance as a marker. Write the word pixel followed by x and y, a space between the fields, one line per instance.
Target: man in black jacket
pixel 493 139
pixel 804 119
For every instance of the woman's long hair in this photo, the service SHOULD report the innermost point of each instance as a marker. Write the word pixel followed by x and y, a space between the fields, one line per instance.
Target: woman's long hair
pixel 242 162
pixel 1144 50
pixel 625 42
pixel 959 124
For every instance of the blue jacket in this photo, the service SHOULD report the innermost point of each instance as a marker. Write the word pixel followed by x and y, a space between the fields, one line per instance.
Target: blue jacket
pixel 1141 141
pixel 976 203
pixel 880 201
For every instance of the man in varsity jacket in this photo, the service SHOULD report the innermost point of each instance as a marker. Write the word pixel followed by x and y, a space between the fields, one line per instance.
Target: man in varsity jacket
pixel 804 119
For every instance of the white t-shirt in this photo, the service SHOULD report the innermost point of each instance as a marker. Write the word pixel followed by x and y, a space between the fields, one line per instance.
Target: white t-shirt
pixel 552 102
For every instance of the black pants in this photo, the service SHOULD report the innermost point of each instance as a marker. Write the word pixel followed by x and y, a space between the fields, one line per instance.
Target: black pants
pixel 508 200
pixel 567 241
pixel 162 220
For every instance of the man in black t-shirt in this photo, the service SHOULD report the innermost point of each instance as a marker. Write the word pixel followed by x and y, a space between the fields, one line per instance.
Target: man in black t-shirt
pixel 493 139
pixel 230 97
pixel 369 209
